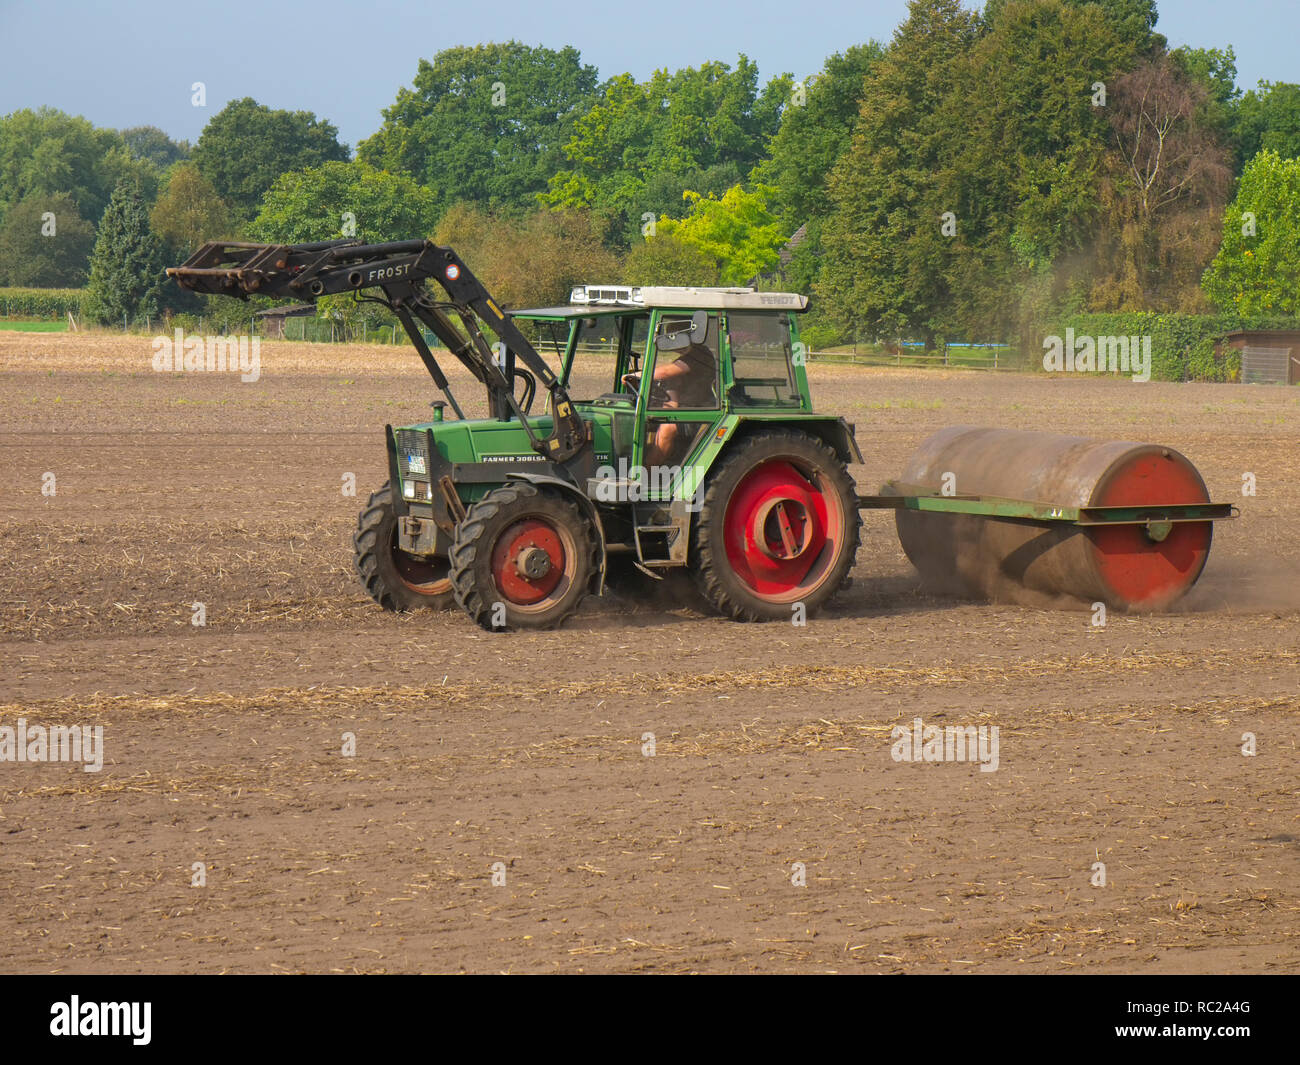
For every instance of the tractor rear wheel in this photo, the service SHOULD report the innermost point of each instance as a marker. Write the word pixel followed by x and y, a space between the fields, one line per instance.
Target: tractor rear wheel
pixel 523 558
pixel 395 579
pixel 778 526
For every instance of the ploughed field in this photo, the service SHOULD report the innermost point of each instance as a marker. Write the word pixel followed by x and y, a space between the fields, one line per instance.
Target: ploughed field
pixel 771 829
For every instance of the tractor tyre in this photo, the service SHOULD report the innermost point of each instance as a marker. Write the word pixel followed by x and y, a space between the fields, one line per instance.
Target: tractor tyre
pixel 395 579
pixel 523 558
pixel 778 526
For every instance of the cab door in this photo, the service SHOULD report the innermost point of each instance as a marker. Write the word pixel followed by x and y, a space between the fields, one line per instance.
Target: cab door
pixel 675 414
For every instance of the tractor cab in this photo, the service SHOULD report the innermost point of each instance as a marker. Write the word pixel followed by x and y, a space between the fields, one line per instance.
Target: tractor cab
pixel 676 363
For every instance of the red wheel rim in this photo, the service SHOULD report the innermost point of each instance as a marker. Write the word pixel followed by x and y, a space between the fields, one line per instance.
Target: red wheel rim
pixel 783 530
pixel 1139 572
pixel 529 562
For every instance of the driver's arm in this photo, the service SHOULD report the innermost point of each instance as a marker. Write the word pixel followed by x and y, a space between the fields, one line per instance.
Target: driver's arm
pixel 672 373
pixel 671 376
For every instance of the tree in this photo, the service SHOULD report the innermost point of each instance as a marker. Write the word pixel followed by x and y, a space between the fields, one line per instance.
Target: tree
pixel 1215 71
pixel 486 124
pixel 813 135
pixel 247 145
pixel 1132 21
pixel 737 233
pixel 1214 68
pixel 1166 182
pixel 45 243
pixel 1257 268
pixel 154 146
pixel 189 212
pixel 1269 118
pixel 655 135
pixel 665 260
pixel 344 200
pixel 531 261
pixel 608 151
pixel 886 255
pixel 815 132
pixel 1028 121
pixel 668 193
pixel 126 266
pixel 970 200
pixel 47 151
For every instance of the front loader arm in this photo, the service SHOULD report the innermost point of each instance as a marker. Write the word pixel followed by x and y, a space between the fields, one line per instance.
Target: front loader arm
pixel 398 269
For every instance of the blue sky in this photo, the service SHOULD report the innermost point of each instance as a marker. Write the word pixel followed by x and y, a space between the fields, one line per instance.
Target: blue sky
pixel 132 63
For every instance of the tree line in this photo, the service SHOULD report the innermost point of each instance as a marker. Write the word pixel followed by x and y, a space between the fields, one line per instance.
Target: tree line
pixel 979 173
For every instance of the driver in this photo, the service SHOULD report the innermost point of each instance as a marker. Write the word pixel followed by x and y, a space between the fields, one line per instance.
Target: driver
pixel 687 381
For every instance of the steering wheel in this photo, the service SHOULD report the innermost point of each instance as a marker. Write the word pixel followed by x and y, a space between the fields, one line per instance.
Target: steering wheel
pixel 658 393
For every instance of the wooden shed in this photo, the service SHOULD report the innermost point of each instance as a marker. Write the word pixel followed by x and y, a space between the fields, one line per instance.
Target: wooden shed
pixel 1268 356
pixel 273 318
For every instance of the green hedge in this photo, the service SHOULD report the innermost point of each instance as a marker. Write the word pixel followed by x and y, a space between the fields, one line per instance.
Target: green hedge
pixel 1182 345
pixel 41 302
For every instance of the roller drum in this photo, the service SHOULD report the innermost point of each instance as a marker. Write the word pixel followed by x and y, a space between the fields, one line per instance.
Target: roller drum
pixel 1061 564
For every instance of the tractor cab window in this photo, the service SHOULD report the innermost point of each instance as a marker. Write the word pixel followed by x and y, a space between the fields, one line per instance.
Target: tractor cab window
pixel 760 361
pixel 686 362
pixel 548 339
pixel 597 347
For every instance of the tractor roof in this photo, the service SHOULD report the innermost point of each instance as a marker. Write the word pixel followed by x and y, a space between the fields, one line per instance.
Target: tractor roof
pixel 629 299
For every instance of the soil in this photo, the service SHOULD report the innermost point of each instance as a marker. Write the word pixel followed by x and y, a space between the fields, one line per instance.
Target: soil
pixel 224 742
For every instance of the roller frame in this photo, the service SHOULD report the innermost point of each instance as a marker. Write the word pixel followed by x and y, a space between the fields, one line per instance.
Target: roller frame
pixel 916 497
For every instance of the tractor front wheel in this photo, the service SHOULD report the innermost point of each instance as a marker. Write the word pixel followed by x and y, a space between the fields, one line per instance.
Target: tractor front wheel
pixel 395 579
pixel 778 527
pixel 523 558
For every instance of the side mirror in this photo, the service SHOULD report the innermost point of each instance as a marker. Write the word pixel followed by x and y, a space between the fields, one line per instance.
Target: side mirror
pixel 677 334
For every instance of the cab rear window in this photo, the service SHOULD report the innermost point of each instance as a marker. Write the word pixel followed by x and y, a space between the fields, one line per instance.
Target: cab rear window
pixel 760 360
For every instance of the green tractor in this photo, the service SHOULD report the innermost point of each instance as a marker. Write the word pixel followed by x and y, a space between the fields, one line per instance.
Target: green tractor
pixel 705 456
pixel 725 469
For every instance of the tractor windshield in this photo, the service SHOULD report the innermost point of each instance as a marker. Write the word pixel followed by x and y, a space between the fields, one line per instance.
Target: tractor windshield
pixel 607 346
pixel 549 338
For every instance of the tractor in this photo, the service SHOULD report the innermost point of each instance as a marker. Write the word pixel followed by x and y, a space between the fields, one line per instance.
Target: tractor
pixel 705 456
